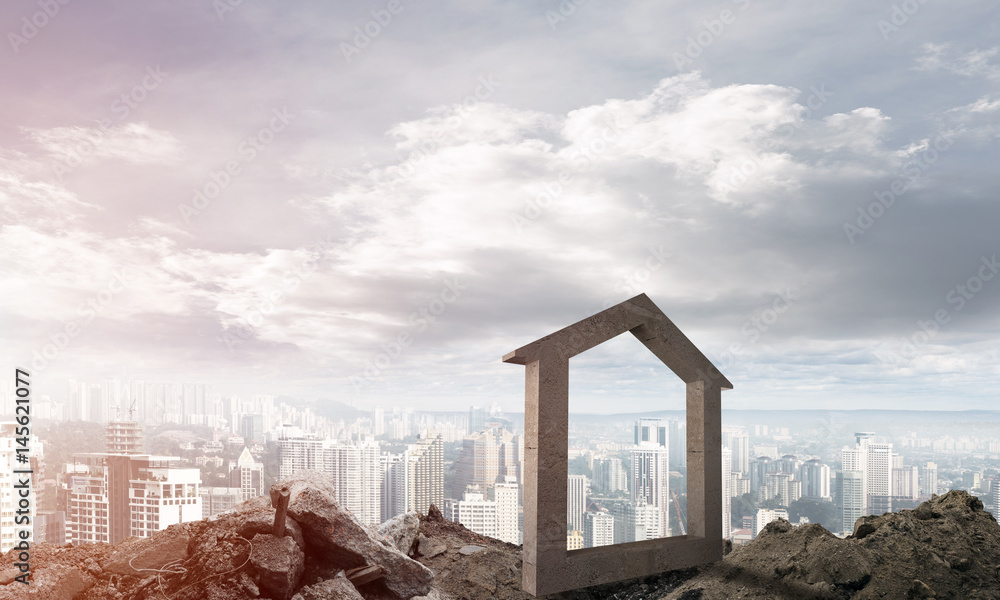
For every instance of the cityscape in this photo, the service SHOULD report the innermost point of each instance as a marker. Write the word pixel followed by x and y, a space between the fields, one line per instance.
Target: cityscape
pixel 125 458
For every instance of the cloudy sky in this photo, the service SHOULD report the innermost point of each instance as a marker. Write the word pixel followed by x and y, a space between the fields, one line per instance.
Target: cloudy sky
pixel 374 201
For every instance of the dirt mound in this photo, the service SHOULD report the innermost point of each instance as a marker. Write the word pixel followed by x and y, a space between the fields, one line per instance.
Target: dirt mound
pixel 948 547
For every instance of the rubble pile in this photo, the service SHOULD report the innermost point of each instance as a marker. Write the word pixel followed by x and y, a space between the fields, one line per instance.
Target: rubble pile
pixel 948 547
pixel 322 553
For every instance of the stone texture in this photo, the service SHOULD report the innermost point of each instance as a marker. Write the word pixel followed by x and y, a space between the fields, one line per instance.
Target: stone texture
pixel 400 531
pixel 430 547
pixel 331 529
pixel 279 563
pixel 164 547
pixel 470 549
pixel 338 588
pixel 548 567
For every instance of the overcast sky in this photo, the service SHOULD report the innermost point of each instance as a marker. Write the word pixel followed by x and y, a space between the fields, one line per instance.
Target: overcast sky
pixel 269 197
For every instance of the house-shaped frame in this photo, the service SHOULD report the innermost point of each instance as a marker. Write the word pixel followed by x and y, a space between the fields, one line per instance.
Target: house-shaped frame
pixel 547 566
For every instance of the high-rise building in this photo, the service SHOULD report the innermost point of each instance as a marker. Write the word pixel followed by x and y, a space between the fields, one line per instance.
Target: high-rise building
pixel 248 476
pixel 576 502
pixel 425 464
pixel 677 437
pixel 738 442
pixel 759 468
pixel 781 487
pixel 123 437
pixel 851 486
pixel 650 480
pixel 905 483
pixel 727 494
pixel 114 496
pixel 815 478
pixel 598 529
pixel 508 522
pixel 473 511
pixel 486 458
pixel 354 469
pixel 636 521
pixel 765 516
pixel 874 460
pixel 609 475
pixel 929 479
pixel 651 430
pixel 217 500
pixel 395 487
pixel 477 419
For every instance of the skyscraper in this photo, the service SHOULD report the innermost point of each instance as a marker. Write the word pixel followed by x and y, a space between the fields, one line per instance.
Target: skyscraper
pixel 353 468
pixel 598 529
pixel 815 477
pixel 425 460
pixel 874 460
pixel 576 502
pixel 650 480
pixel 727 499
pixel 929 479
pixel 655 431
pixel 486 458
pixel 505 495
pixel 609 474
pixel 852 494
pixel 473 511
pixel 248 476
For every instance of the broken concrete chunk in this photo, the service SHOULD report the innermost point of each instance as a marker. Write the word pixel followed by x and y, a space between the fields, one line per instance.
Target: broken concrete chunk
pixel 279 564
pixel 400 531
pixel 329 528
pixel 471 549
pixel 337 587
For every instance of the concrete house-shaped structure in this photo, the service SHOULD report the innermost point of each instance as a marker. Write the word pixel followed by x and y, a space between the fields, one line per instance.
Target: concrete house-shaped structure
pixel 547 565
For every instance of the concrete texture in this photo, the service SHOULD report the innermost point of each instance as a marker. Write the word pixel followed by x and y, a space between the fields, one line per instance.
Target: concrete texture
pixel 547 566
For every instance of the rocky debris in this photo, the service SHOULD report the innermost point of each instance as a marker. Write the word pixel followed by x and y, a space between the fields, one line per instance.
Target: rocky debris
pixel 279 563
pixel 235 556
pixel 337 587
pixel 948 547
pixel 333 531
pixel 401 531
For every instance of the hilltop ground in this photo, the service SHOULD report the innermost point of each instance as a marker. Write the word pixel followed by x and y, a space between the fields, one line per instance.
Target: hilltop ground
pixel 948 547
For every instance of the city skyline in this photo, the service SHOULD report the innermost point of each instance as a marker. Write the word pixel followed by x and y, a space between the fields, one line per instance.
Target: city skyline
pixel 374 206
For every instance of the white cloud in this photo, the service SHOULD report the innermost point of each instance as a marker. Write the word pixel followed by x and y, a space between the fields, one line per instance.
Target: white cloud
pixel 136 143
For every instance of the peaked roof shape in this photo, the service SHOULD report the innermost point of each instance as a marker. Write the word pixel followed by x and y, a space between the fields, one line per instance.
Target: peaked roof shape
pixel 646 322
pixel 548 567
